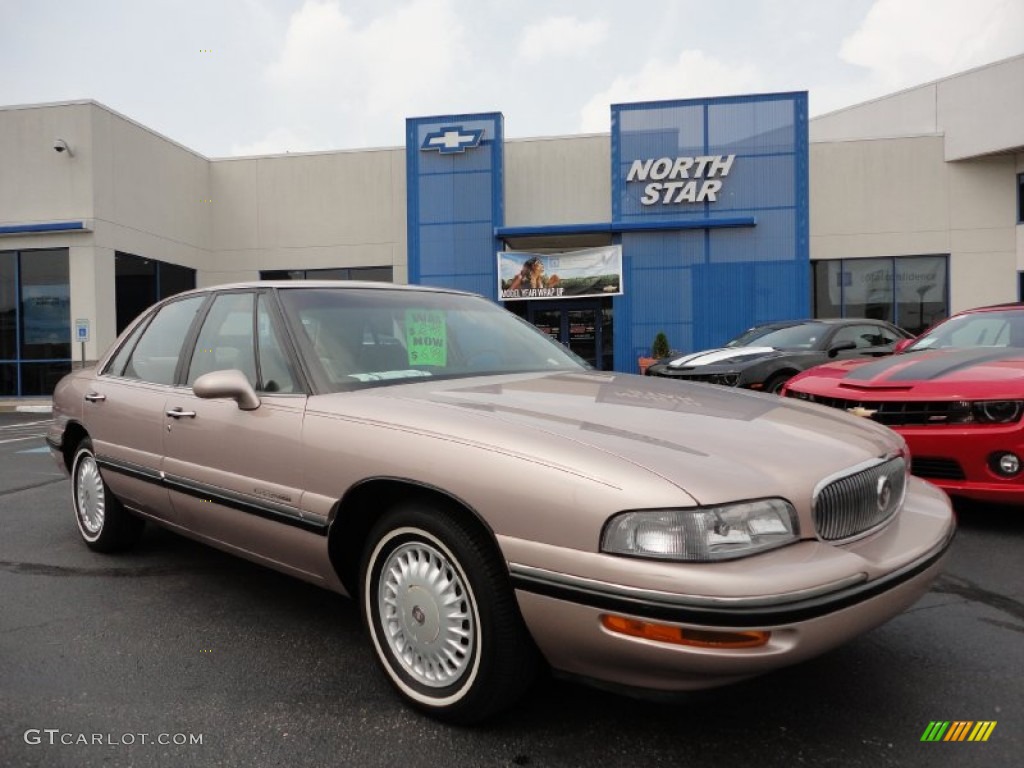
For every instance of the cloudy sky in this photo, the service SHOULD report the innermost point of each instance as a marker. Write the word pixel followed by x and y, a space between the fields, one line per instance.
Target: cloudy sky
pixel 236 77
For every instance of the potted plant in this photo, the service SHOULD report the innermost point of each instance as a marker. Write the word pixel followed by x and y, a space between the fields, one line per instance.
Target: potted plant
pixel 659 349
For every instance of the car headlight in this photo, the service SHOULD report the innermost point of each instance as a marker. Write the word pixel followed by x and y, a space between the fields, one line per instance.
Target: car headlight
pixel 726 379
pixel 997 411
pixel 703 534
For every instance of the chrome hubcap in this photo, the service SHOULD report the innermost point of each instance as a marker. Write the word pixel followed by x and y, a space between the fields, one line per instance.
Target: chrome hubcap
pixel 426 614
pixel 89 497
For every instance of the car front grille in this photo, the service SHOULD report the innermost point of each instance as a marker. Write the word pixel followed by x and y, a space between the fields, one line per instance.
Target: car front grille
pixel 727 379
pixel 899 414
pixel 937 468
pixel 859 502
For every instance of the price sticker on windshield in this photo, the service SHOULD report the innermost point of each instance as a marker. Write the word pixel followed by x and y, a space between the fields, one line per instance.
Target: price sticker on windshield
pixel 426 337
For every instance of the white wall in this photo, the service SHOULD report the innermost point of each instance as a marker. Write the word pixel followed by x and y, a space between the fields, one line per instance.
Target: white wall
pixel 900 197
pixel 150 193
pixel 979 112
pixel 558 181
pixel 312 211
pixel 38 184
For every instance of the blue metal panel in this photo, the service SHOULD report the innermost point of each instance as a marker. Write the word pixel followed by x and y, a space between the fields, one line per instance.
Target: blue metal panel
pixel 702 287
pixel 49 226
pixel 455 197
pixel 643 225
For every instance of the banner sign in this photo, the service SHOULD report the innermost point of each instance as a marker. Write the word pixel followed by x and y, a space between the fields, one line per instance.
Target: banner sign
pixel 569 275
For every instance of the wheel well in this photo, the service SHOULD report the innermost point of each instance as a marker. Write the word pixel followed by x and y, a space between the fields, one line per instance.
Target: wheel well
pixel 784 373
pixel 356 513
pixel 73 435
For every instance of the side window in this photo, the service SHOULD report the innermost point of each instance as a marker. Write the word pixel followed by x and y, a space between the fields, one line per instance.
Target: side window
pixel 275 370
pixel 863 336
pixel 156 355
pixel 117 363
pixel 226 340
pixel 883 336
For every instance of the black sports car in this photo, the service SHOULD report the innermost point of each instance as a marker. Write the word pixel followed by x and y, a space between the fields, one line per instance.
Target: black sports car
pixel 768 355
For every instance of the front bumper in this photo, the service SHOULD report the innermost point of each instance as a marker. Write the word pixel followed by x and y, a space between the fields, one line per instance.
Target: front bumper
pixel 861 585
pixel 957 459
pixel 725 377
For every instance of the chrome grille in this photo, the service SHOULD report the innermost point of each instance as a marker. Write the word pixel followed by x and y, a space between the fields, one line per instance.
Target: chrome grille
pixel 858 502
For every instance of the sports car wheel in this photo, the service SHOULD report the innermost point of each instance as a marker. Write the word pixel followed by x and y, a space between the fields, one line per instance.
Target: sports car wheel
pixel 442 618
pixel 104 523
pixel 774 383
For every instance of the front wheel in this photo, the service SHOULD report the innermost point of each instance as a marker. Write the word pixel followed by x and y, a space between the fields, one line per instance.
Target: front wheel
pixel 105 525
pixel 442 618
pixel 775 382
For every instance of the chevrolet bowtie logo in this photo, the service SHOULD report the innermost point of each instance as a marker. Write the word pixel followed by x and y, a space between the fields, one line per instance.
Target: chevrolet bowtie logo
pixel 452 138
pixel 864 413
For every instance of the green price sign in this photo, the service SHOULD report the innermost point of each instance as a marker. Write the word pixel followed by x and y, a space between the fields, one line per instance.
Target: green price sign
pixel 426 337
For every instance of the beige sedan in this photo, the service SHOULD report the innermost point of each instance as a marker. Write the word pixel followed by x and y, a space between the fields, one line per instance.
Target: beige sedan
pixel 493 504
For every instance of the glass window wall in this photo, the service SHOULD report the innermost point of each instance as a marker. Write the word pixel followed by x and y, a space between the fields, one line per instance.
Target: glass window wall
pixel 909 291
pixel 35 321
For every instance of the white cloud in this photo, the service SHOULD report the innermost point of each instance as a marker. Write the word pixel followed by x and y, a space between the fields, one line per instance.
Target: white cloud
pixel 906 42
pixel 562 36
pixel 691 75
pixel 356 83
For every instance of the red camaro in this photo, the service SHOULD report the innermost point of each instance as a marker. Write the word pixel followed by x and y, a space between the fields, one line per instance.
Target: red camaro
pixel 956 394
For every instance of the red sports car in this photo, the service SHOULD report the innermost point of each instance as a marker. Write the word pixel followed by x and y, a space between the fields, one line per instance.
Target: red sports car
pixel 956 394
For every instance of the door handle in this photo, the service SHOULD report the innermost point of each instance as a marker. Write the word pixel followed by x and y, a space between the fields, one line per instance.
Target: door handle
pixel 95 397
pixel 177 413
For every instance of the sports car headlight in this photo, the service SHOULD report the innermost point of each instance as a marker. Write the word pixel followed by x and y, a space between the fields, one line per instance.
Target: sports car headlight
pixel 997 411
pixel 703 534
pixel 726 379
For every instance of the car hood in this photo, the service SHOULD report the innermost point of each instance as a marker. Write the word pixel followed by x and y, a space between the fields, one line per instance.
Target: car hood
pixel 941 373
pixel 726 357
pixel 715 443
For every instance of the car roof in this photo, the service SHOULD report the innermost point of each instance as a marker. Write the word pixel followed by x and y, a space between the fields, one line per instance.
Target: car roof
pixel 348 284
pixel 994 307
pixel 819 321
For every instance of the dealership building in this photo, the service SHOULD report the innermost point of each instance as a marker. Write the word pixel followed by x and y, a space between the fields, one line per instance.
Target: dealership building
pixel 696 217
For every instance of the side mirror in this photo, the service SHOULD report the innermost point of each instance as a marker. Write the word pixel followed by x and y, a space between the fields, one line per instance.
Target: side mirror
pixel 901 345
pixel 841 346
pixel 229 383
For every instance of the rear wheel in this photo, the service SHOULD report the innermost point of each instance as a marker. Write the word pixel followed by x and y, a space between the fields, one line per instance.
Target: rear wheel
pixel 442 618
pixel 105 525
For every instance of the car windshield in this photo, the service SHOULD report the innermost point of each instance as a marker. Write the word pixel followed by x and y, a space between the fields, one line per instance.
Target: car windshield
pixel 366 337
pixel 802 336
pixel 980 329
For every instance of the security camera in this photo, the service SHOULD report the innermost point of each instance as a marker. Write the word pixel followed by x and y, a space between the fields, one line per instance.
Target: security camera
pixel 59 145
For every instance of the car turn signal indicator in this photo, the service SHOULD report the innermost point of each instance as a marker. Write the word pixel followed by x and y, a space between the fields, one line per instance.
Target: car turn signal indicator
pixel 699 638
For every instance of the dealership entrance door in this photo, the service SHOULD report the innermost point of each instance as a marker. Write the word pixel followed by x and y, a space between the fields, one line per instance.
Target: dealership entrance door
pixel 583 325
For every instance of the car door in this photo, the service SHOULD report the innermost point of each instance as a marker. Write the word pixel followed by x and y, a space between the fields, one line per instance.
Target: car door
pixel 124 407
pixel 235 476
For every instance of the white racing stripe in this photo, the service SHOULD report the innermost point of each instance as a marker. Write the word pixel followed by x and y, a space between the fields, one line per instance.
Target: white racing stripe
pixel 712 356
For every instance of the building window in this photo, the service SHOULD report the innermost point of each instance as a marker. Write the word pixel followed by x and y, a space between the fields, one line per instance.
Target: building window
pixel 1020 198
pixel 910 291
pixel 35 321
pixel 373 274
pixel 140 283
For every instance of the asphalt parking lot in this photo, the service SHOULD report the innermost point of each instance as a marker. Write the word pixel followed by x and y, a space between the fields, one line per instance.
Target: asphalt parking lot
pixel 251 668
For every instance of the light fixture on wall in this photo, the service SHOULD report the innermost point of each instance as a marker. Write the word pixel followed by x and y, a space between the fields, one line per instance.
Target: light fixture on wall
pixel 59 145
